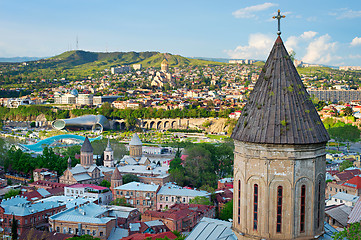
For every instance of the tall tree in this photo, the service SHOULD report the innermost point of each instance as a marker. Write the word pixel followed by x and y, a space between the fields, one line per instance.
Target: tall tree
pixel 14 229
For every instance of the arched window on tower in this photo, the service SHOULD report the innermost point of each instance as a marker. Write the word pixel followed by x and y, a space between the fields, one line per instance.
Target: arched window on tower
pixel 318 204
pixel 255 207
pixel 279 208
pixel 302 208
pixel 239 201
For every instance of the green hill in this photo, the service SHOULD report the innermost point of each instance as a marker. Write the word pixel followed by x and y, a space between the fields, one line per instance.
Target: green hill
pixel 75 64
pixel 82 60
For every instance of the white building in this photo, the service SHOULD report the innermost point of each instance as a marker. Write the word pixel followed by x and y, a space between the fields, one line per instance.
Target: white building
pixel 342 198
pixel 170 194
pixel 85 99
pixel 89 191
pixel 15 103
pixel 137 66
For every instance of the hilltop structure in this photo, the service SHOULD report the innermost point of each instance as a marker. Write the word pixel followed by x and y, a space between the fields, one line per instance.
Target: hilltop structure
pixel 279 157
pixel 164 66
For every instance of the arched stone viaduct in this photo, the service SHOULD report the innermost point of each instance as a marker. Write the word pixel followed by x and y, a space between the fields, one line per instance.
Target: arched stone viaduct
pixel 163 123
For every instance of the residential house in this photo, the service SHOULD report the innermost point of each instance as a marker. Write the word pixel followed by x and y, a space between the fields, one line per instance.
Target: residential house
pixel 45 174
pixel 140 195
pixel 102 195
pixel 28 215
pixel 89 218
pixel 181 217
pixel 169 194
pixel 342 198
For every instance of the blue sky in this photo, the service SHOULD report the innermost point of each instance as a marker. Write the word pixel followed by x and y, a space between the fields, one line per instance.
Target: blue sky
pixel 323 32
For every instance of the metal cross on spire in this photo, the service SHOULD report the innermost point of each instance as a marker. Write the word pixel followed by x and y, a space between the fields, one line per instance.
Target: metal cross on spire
pixel 279 17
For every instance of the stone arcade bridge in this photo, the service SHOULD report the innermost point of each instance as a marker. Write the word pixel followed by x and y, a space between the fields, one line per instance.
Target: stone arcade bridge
pixel 163 123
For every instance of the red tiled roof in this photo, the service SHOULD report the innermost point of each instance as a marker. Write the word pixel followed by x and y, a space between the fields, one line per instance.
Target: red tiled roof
pixel 48 183
pixel 354 171
pixel 344 176
pixel 355 182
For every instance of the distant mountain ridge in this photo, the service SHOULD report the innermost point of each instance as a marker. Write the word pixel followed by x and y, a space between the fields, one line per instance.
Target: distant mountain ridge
pixel 101 60
pixel 19 59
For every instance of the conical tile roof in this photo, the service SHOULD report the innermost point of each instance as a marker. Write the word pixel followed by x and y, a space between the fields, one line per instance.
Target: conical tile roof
pixel 279 109
pixel 135 141
pixel 86 147
pixel 116 174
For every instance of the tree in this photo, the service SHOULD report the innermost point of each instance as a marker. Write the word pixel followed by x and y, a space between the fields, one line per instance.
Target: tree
pixel 105 183
pixel 130 122
pixel 227 211
pixel 345 133
pixel 345 164
pixel 347 111
pixel 353 232
pixel 14 229
pixel 120 202
pixel 200 200
pixel 12 193
pixel 127 178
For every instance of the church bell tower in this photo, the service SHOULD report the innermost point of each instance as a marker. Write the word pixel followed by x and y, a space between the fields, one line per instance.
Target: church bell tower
pixel 279 157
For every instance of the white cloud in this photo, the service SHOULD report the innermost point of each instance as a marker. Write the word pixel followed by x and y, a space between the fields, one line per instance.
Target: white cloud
pixel 259 46
pixel 356 41
pixel 356 56
pixel 321 50
pixel 308 35
pixel 294 41
pixel 249 12
pixel 346 13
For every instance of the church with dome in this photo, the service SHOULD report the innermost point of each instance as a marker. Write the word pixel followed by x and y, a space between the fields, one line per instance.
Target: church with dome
pixel 85 172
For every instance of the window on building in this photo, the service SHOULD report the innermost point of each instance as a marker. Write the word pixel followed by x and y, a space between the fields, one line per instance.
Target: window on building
pixel 131 193
pixel 57 229
pixel 143 202
pixel 330 188
pixel 184 200
pixel 137 202
pixel 172 199
pixel 101 234
pixel 70 230
pixel 94 232
pixel 137 194
pixel 319 203
pixel 255 207
pixel 88 231
pixel 166 199
pixel 239 201
pixel 302 208
pixel 121 192
pixel 279 208
pixel 152 195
